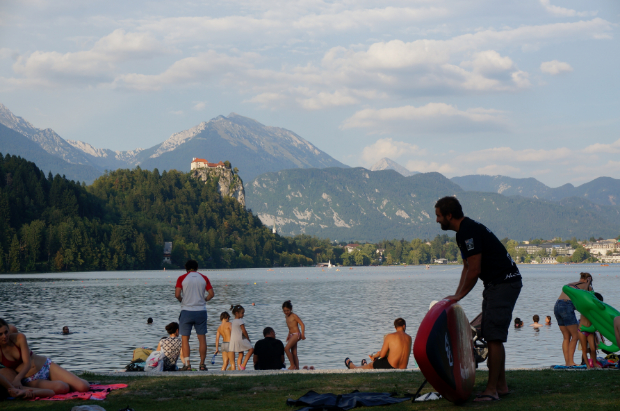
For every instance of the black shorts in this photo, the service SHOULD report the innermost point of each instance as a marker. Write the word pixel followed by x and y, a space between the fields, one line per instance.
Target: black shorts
pixel 382 364
pixel 497 305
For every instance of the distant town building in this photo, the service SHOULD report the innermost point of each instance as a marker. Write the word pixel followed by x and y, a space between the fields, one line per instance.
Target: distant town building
pixel 549 260
pixel 380 251
pixel 602 246
pixel 441 261
pixel 167 253
pixel 351 247
pixel 202 163
pixel 562 249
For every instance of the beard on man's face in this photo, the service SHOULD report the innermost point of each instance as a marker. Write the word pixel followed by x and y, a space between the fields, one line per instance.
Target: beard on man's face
pixel 445 226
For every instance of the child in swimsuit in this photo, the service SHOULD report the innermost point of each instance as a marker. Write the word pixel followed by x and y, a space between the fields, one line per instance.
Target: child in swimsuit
pixel 296 330
pixel 224 331
pixel 239 339
pixel 588 340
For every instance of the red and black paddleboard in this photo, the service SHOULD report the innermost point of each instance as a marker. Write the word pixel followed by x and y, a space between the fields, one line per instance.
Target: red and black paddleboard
pixel 444 351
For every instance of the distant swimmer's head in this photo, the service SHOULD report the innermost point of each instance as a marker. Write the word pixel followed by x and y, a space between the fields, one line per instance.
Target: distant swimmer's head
pixel 149 320
pixel 287 307
pixel 237 310
pixel 400 323
pixel 448 209
pixel 172 328
pixel 224 316
pixel 599 296
pixel 65 330
pixel 536 318
pixel 191 265
pixel 548 320
pixel 518 322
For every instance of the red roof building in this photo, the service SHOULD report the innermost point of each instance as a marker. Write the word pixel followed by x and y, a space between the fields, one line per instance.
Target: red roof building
pixel 202 163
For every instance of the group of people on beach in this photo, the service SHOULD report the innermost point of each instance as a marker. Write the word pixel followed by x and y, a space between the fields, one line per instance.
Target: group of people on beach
pixel 193 290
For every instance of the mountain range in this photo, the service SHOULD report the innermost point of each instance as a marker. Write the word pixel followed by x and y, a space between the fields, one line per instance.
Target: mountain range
pixel 254 147
pixel 388 164
pixel 363 205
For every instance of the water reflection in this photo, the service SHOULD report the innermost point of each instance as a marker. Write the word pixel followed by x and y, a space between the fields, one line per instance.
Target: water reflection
pixel 346 312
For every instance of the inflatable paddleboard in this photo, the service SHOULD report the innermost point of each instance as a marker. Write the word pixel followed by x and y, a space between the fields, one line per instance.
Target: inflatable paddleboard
pixel 444 351
pixel 601 315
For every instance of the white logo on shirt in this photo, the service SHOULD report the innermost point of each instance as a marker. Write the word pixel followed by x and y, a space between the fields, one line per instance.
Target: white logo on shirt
pixel 469 244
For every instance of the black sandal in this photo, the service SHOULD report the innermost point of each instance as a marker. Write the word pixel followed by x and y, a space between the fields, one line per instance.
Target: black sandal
pixel 364 362
pixel 348 362
pixel 203 367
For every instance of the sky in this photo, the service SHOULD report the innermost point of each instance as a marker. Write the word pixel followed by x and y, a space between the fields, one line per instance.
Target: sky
pixel 524 88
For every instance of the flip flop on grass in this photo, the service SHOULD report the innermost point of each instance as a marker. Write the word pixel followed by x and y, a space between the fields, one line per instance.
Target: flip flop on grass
pixel 348 362
pixel 479 398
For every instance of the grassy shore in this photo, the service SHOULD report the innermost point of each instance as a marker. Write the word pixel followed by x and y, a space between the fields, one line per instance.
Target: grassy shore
pixel 566 390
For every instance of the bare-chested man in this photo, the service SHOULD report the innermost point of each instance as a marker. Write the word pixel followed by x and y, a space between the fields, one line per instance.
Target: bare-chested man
pixel 395 351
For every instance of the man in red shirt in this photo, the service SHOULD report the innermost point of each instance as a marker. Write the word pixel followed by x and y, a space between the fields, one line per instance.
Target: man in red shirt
pixel 190 291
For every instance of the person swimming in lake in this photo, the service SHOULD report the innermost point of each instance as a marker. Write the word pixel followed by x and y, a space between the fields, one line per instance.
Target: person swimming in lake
pixel 548 320
pixel 518 323
pixel 239 338
pixel 536 318
pixel 65 330
pixel 27 369
pixel 296 332
pixel 224 331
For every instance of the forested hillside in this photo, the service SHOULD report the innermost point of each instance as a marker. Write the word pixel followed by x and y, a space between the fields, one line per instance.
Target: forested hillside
pixel 49 223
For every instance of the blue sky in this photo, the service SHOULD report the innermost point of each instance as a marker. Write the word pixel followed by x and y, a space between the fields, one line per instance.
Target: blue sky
pixel 525 88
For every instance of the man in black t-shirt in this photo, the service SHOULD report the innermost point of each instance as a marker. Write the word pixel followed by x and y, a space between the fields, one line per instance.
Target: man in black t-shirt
pixel 485 257
pixel 269 352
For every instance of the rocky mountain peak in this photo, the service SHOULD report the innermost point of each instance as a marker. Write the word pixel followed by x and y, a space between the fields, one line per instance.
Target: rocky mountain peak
pixel 388 164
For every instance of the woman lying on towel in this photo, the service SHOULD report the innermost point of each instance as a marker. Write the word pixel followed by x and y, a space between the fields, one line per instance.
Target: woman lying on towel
pixel 26 369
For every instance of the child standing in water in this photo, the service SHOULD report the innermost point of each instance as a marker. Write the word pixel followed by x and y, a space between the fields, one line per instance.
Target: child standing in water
pixel 239 339
pixel 224 331
pixel 296 332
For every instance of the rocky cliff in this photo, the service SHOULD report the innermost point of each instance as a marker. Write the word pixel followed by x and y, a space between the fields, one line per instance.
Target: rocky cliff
pixel 229 182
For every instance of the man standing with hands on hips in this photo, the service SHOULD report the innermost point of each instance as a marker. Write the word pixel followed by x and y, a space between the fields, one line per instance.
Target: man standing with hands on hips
pixel 190 291
pixel 485 257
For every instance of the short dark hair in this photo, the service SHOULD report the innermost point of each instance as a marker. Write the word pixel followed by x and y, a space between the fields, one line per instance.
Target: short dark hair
pixel 517 320
pixel 287 304
pixel 191 265
pixel 224 315
pixel 450 205
pixel 399 322
pixel 172 328
pixel 267 331
pixel 149 320
pixel 536 318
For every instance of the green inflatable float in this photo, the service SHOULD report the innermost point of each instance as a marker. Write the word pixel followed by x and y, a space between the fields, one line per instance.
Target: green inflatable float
pixel 601 315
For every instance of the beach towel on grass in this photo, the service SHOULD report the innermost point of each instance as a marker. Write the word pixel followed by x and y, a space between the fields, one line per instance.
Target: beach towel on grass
pixel 97 392
pixel 333 402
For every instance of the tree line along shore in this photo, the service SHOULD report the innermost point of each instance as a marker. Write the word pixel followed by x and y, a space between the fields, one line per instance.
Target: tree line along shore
pixel 121 222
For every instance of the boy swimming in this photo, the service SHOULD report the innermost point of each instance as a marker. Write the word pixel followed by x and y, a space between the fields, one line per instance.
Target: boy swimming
pixel 224 331
pixel 296 332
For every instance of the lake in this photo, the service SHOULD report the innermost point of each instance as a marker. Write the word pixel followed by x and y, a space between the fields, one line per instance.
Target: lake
pixel 346 312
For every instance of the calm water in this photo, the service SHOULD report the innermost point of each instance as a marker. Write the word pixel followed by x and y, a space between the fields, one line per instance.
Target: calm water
pixel 346 312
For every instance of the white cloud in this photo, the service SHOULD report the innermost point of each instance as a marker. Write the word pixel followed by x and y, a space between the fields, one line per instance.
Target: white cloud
pixel 433 117
pixel 198 69
pixel 95 65
pixel 555 67
pixel 563 12
pixel 199 105
pixel 387 147
pixel 603 148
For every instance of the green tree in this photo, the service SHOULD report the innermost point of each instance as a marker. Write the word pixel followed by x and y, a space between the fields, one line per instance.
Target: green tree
pixel 14 255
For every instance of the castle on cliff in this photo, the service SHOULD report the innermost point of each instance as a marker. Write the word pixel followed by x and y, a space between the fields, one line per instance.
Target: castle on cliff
pixel 202 163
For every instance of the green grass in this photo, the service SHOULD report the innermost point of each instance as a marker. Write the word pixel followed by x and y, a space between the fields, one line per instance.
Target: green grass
pixel 532 390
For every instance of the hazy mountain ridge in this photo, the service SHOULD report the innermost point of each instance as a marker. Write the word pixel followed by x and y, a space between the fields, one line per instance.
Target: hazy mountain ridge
pixel 358 204
pixel 602 190
pixel 389 164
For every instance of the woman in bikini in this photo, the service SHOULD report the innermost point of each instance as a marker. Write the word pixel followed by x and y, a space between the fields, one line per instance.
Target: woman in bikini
pixel 564 311
pixel 26 369
pixel 296 332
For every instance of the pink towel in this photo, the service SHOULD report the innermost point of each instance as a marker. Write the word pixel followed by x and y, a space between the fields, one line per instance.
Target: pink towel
pixel 97 392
